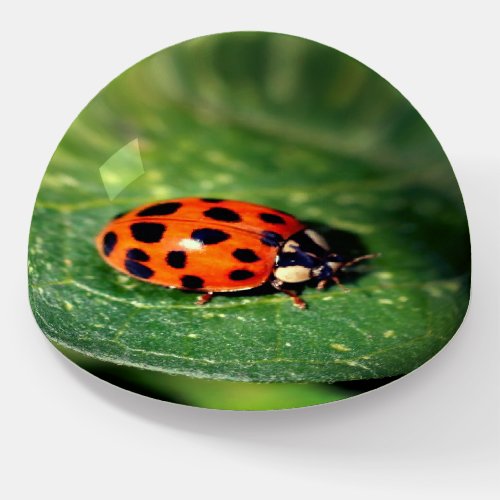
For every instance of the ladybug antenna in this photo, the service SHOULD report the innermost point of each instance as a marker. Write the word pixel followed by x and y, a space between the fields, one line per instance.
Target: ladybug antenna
pixel 361 258
pixel 349 263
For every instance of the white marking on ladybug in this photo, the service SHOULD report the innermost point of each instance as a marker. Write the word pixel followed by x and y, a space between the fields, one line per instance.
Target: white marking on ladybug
pixel 191 244
pixel 293 274
pixel 317 238
pixel 289 246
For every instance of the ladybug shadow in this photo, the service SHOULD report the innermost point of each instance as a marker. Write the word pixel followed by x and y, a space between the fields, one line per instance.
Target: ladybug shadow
pixel 344 243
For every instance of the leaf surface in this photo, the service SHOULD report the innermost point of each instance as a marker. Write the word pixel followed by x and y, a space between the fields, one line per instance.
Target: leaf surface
pixel 274 120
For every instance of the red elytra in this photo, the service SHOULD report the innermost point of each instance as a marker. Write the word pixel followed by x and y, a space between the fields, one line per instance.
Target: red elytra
pixel 213 245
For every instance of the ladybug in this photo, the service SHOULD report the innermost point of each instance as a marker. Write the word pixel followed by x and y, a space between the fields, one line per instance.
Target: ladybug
pixel 212 245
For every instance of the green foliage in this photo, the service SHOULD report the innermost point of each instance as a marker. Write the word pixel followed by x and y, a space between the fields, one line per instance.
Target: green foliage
pixel 218 394
pixel 275 120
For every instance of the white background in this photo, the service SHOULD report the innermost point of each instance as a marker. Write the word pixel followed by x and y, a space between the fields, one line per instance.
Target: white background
pixel 433 434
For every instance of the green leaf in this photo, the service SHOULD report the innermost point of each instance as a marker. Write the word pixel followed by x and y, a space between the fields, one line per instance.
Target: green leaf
pixel 217 394
pixel 268 119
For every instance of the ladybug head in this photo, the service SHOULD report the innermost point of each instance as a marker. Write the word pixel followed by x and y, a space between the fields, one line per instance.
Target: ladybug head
pixel 329 266
pixel 295 264
pixel 332 264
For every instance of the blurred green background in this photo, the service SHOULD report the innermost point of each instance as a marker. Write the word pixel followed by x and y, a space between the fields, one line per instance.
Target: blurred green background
pixel 269 119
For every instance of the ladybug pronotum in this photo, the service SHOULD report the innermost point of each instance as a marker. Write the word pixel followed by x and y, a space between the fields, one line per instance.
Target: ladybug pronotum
pixel 212 245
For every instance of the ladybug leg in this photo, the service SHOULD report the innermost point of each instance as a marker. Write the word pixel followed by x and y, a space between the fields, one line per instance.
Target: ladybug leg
pixel 336 280
pixel 321 285
pixel 297 301
pixel 203 299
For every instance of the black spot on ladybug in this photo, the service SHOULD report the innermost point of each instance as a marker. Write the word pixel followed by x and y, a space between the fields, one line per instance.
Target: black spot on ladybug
pixel 297 258
pixel 193 282
pixel 109 242
pixel 271 239
pixel 272 218
pixel 246 255
pixel 209 236
pixel 137 254
pixel 176 258
pixel 222 214
pixel 211 200
pixel 138 269
pixel 121 214
pixel 167 208
pixel 240 274
pixel 147 232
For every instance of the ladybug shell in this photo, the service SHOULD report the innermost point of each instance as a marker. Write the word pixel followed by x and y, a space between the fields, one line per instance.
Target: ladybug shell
pixel 197 243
